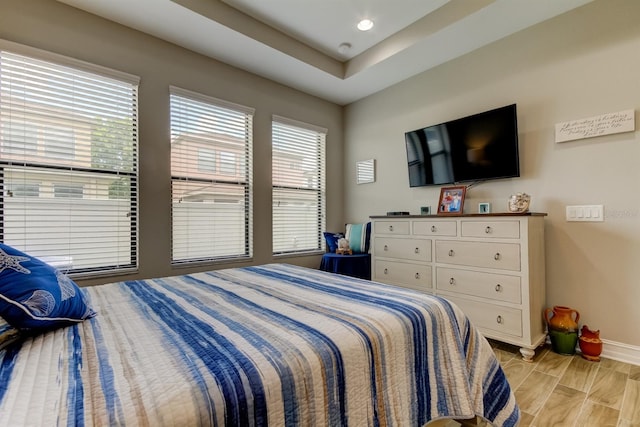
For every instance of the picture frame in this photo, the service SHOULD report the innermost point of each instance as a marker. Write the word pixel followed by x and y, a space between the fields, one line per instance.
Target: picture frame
pixel 484 208
pixel 451 200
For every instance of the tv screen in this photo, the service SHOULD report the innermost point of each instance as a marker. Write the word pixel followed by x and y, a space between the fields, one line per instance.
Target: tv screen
pixel 475 148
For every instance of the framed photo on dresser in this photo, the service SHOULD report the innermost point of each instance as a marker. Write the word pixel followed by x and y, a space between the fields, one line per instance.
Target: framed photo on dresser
pixel 451 200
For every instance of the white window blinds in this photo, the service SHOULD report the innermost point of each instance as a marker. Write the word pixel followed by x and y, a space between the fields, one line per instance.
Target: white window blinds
pixel 298 174
pixel 68 161
pixel 211 177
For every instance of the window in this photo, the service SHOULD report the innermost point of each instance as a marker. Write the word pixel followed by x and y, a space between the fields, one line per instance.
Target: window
pixel 67 190
pixel 228 164
pixel 26 189
pixel 59 142
pixel 206 160
pixel 298 162
pixel 68 160
pixel 19 137
pixel 211 202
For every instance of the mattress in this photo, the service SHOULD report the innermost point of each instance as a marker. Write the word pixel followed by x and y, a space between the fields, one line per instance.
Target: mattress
pixel 276 345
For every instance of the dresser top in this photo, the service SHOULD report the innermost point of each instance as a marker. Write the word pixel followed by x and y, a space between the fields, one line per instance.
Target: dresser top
pixel 487 215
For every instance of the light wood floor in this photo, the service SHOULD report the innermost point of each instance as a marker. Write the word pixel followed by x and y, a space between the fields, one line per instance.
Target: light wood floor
pixel 569 391
pixel 557 390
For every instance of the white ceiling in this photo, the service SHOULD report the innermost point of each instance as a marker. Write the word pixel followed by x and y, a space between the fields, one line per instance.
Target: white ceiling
pixel 295 42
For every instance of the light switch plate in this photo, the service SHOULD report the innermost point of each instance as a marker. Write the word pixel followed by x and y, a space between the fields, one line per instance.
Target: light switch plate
pixel 585 213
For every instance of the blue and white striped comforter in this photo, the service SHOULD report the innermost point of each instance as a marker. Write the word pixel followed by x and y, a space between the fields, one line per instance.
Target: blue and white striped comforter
pixel 274 345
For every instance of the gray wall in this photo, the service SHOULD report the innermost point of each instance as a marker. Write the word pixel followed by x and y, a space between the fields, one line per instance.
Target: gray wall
pixel 61 29
pixel 581 64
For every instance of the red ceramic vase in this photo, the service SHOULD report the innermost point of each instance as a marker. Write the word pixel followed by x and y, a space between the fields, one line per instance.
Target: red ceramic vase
pixel 590 344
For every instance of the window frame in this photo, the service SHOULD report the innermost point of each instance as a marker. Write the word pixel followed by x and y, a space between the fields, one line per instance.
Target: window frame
pixel 131 82
pixel 319 193
pixel 224 180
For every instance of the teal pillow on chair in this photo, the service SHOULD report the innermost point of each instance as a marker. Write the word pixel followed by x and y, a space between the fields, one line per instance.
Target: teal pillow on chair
pixel 359 236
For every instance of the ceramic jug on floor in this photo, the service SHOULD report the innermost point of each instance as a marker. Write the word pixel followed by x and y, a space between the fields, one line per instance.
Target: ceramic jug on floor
pixel 590 344
pixel 563 328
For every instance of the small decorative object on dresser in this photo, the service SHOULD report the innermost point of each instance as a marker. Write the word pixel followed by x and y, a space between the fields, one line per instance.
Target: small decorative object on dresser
pixel 484 208
pixel 451 200
pixel 519 202
pixel 563 328
pixel 590 344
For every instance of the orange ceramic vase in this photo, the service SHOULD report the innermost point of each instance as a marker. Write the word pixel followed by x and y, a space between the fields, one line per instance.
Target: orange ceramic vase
pixel 563 328
pixel 590 344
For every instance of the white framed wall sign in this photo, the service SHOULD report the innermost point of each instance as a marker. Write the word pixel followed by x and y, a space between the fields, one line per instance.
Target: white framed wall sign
pixel 366 171
pixel 605 124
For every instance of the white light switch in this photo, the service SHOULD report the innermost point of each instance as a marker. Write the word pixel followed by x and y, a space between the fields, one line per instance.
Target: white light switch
pixel 591 213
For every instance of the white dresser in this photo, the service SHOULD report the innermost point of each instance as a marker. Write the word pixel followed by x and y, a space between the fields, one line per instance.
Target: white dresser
pixel 490 265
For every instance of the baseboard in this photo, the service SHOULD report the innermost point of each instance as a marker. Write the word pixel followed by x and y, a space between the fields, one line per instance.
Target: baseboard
pixel 615 351
pixel 621 352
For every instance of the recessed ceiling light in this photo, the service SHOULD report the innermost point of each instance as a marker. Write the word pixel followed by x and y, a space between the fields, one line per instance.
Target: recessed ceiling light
pixel 365 25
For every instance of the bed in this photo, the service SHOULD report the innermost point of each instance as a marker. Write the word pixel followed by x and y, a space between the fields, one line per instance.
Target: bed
pixel 276 345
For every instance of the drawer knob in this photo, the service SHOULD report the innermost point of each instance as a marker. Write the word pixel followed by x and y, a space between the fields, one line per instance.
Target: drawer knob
pixel 452 281
pixel 499 319
pixel 386 248
pixel 417 250
pixel 433 229
pixel 487 230
pixel 497 256
pixel 498 287
pixel 391 228
pixel 451 252
pixel 386 271
pixel 418 276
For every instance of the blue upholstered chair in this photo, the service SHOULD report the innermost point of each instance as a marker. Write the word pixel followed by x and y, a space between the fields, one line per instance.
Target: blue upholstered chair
pixel 357 264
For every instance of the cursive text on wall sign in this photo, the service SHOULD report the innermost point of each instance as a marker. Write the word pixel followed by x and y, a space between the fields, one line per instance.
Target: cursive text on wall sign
pixel 606 124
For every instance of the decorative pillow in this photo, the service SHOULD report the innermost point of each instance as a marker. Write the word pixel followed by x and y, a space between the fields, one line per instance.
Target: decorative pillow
pixel 8 334
pixel 35 296
pixel 332 240
pixel 359 236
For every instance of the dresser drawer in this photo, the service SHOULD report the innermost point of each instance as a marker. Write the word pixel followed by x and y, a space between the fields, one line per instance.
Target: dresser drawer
pixel 505 320
pixel 503 256
pixel 435 228
pixel 409 249
pixel 391 227
pixel 491 229
pixel 413 276
pixel 498 287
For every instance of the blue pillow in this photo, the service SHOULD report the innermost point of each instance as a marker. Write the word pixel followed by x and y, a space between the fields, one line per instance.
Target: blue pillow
pixel 359 236
pixel 35 296
pixel 332 240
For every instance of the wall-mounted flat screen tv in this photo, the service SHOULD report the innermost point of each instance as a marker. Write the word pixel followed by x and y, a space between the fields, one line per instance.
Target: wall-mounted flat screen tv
pixel 475 148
